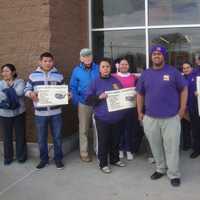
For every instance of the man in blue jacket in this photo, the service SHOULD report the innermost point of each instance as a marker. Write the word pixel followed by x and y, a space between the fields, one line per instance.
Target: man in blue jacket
pixel 82 76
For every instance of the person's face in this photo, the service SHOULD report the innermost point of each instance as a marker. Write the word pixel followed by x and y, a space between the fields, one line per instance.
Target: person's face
pixel 105 69
pixel 123 66
pixel 187 69
pixel 7 74
pixel 46 63
pixel 157 58
pixel 86 60
pixel 197 61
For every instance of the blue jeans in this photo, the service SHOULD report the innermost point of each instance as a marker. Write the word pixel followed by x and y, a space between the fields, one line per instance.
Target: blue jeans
pixel 55 123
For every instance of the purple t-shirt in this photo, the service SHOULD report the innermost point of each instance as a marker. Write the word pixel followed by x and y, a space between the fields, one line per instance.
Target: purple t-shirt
pixel 161 89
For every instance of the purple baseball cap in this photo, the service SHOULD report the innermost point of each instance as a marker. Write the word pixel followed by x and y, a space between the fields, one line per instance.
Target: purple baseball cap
pixel 159 48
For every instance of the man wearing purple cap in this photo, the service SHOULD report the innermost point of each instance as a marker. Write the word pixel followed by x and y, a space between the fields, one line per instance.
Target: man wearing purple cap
pixel 161 103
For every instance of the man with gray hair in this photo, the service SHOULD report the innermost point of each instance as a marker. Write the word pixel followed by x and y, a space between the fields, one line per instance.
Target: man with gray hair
pixel 82 76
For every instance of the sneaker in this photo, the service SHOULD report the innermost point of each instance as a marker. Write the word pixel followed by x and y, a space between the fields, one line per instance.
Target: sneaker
pixel 151 160
pixel 195 154
pixel 8 162
pixel 156 175
pixel 129 155
pixel 119 164
pixel 121 154
pixel 175 182
pixel 42 164
pixel 85 158
pixel 106 170
pixel 59 164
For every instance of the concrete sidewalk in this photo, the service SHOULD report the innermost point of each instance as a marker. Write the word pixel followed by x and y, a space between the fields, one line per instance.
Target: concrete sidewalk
pixel 82 181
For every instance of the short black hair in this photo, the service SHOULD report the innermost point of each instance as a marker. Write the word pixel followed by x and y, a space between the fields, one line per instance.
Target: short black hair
pixel 105 59
pixel 187 62
pixel 123 58
pixel 46 54
pixel 11 67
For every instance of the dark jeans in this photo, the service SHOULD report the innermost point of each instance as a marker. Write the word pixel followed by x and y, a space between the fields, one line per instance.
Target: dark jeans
pixel 42 123
pixel 108 142
pixel 185 134
pixel 195 126
pixel 131 132
pixel 18 125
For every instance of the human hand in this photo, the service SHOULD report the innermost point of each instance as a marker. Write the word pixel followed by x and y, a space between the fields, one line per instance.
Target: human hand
pixel 34 96
pixel 103 95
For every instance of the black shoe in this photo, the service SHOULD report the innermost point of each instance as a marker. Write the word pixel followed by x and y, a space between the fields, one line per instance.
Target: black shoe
pixel 195 154
pixel 156 175
pixel 8 162
pixel 22 160
pixel 175 182
pixel 59 164
pixel 42 164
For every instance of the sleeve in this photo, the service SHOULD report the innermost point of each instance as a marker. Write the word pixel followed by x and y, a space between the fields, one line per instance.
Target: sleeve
pixel 74 87
pixel 62 80
pixel 28 87
pixel 19 88
pixel 2 94
pixel 90 96
pixel 180 81
pixel 140 85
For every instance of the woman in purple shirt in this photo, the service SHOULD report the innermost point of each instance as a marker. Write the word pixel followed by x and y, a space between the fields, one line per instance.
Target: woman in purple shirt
pixel 107 123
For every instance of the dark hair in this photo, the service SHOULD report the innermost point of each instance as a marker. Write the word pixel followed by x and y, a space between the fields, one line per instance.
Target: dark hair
pixel 108 60
pixel 123 58
pixel 186 62
pixel 46 54
pixel 12 69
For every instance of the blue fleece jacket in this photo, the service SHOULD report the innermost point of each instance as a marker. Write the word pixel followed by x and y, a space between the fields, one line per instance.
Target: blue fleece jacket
pixel 97 87
pixel 80 81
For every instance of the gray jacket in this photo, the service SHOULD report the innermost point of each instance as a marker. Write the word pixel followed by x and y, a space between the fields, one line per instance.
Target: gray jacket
pixel 18 85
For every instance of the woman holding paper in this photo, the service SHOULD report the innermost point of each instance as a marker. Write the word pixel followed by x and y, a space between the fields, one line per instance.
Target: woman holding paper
pixel 107 123
pixel 12 114
pixel 131 132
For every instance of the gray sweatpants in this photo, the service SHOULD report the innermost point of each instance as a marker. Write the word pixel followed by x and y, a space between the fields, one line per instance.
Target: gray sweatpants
pixel 164 139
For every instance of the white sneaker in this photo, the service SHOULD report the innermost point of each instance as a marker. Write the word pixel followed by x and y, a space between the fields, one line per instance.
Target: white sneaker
pixel 151 160
pixel 129 155
pixel 119 164
pixel 106 170
pixel 121 154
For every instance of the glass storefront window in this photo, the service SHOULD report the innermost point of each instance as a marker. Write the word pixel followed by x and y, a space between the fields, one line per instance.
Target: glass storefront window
pixel 182 43
pixel 116 44
pixel 125 38
pixel 117 13
pixel 170 12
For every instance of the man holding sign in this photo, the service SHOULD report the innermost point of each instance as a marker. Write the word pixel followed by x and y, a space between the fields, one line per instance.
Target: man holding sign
pixel 46 112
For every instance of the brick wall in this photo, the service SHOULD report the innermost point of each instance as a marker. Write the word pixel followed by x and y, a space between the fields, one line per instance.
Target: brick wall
pixel 29 28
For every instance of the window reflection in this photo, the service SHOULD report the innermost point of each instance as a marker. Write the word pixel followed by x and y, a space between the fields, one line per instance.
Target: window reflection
pixel 115 44
pixel 169 12
pixel 182 43
pixel 117 13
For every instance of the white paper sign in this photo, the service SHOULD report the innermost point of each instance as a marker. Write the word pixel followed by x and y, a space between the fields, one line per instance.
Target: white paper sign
pixel 52 95
pixel 198 91
pixel 121 99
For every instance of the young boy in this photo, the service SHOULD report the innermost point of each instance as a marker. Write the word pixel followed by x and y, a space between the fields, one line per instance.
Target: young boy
pixel 46 74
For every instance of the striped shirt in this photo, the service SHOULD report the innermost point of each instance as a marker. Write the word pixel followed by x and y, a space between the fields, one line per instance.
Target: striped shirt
pixel 39 77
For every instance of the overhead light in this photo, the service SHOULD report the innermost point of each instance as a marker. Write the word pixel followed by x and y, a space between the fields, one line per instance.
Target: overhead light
pixel 164 40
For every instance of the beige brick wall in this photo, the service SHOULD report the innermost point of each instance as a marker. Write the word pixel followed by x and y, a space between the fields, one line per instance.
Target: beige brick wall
pixel 29 28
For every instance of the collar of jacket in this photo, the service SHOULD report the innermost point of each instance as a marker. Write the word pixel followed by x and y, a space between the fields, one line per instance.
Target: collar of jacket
pixel 39 69
pixel 83 66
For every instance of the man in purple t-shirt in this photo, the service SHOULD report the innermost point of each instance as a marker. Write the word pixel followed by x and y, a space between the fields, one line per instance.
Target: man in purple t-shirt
pixel 161 103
